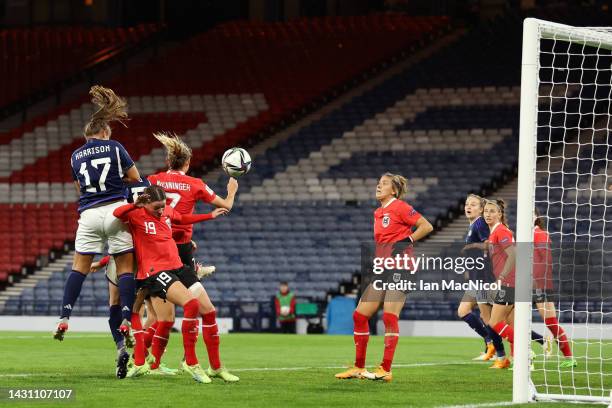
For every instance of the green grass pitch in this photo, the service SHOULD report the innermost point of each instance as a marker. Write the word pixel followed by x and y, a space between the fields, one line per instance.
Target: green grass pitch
pixel 275 370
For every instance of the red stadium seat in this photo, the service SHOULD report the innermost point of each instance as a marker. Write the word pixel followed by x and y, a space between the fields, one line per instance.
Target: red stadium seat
pixel 292 64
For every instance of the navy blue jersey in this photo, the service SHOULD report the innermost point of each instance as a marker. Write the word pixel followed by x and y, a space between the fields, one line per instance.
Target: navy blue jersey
pixel 478 231
pixel 132 191
pixel 99 166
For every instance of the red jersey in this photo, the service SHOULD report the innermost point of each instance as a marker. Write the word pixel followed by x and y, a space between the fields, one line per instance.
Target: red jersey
pixel 155 249
pixel 182 192
pixel 542 260
pixel 500 239
pixel 393 223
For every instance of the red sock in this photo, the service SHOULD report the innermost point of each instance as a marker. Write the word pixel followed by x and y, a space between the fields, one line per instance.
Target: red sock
pixel 160 340
pixel 391 339
pixel 139 347
pixel 555 328
pixel 149 333
pixel 210 333
pixel 505 330
pixel 361 335
pixel 189 328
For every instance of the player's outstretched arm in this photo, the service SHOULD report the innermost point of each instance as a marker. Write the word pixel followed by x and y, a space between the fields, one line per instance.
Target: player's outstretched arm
pixel 227 202
pixel 195 218
pixel 123 211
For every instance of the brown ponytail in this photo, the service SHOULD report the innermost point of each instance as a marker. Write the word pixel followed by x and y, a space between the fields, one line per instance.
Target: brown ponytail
pixel 110 108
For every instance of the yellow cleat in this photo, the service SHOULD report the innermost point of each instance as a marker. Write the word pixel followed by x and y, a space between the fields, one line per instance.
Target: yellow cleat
pixel 379 375
pixel 353 372
pixel 501 364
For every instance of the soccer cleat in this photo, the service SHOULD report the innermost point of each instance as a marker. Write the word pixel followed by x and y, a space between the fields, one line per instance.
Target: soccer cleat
pixel 196 372
pixel 480 357
pixel 548 346
pixel 379 375
pixel 203 271
pixel 122 365
pixel 162 370
pixel 490 352
pixel 124 329
pixel 137 371
pixel 353 372
pixel 488 355
pixel 501 364
pixel 62 327
pixel 569 363
pixel 222 373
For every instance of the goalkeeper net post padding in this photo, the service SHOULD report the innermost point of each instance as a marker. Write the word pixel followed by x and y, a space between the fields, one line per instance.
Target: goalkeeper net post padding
pixel 565 170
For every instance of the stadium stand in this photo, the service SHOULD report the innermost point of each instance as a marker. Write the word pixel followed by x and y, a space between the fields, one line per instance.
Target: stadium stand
pixel 42 57
pixel 31 164
pixel 306 206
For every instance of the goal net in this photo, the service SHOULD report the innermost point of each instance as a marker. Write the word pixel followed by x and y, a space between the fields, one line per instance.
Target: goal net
pixel 565 171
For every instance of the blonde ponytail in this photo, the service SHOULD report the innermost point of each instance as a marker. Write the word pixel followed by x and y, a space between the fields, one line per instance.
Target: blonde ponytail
pixel 178 153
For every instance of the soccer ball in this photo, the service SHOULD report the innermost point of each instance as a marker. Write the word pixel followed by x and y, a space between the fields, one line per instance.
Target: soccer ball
pixel 236 162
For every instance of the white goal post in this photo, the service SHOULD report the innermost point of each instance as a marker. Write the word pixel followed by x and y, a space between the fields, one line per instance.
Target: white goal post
pixel 563 106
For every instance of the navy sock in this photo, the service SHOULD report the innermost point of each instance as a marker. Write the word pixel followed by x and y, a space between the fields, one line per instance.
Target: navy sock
pixel 537 337
pixel 72 289
pixel 114 321
pixel 476 324
pixel 127 294
pixel 497 342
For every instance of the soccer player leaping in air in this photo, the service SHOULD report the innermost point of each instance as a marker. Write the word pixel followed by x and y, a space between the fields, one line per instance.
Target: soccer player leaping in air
pixel 99 168
pixel 159 264
pixel 394 221
pixel 183 192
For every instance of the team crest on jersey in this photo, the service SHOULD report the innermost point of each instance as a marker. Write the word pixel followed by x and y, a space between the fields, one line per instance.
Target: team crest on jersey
pixel 386 220
pixel 397 277
pixel 168 222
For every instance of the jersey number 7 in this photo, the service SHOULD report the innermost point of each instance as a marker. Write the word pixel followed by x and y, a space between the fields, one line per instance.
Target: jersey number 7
pixel 175 197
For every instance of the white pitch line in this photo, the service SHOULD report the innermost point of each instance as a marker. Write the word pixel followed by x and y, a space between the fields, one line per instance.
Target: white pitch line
pixel 305 368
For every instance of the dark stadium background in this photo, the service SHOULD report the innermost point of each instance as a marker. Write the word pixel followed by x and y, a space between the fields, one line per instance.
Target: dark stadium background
pixel 285 80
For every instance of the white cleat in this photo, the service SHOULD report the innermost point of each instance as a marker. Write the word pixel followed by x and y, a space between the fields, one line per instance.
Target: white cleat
pixel 204 271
